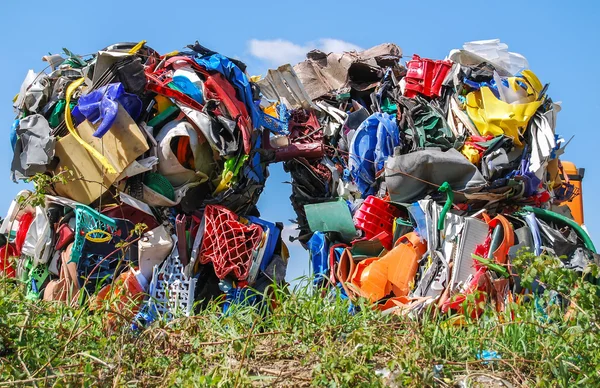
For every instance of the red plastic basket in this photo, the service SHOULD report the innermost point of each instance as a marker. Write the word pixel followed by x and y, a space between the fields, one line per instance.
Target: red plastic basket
pixel 376 216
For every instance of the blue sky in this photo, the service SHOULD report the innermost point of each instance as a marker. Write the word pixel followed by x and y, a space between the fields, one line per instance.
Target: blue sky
pixel 560 41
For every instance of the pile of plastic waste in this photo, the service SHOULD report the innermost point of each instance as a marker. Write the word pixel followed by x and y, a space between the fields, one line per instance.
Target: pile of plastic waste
pixel 149 171
pixel 413 185
pixel 420 184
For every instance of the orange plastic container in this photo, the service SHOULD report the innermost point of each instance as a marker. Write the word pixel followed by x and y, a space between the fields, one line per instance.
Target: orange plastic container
pixel 374 283
pixel 125 296
pixel 403 262
pixel 377 277
pixel 345 269
pixel 575 176
pixel 501 253
pixel 356 278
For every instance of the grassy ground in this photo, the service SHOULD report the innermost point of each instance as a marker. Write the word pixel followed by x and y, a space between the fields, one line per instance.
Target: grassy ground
pixel 305 340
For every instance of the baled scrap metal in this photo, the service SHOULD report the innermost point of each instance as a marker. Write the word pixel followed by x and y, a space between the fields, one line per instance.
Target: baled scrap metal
pixel 474 132
pixel 153 144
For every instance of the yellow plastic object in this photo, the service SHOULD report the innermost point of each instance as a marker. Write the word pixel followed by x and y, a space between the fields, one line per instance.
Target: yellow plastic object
pixel 255 78
pixel 271 110
pixel 285 252
pixel 162 103
pixel 532 80
pixel 69 122
pixel 137 47
pixel 493 116
pixel 231 170
pixel 471 153
pixel 225 182
pixel 90 236
pixel 575 178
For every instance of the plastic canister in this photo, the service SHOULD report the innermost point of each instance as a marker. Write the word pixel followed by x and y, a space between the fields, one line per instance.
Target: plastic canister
pixel 403 261
pixel 154 246
pixel 575 176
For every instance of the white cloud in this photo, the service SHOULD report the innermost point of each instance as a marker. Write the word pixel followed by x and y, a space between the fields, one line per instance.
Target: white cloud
pixel 337 46
pixel 279 51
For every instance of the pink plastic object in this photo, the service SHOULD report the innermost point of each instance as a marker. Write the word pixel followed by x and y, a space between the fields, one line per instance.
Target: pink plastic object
pixel 313 150
pixel 376 216
pixel 228 243
pixel 425 76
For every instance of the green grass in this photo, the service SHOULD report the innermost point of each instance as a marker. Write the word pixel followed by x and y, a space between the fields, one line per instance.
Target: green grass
pixel 305 340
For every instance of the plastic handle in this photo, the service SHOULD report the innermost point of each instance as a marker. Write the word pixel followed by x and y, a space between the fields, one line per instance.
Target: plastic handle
pixel 106 236
pixel 98 216
pixel 445 188
pixel 136 48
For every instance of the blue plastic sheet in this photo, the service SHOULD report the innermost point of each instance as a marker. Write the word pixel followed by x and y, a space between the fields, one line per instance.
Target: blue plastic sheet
pixel 317 246
pixel 254 170
pixel 240 296
pixel 236 76
pixel 188 87
pixel 13 134
pixel 418 216
pixel 492 85
pixel 370 147
pixel 274 233
pixel 488 355
pixel 338 253
pixel 103 104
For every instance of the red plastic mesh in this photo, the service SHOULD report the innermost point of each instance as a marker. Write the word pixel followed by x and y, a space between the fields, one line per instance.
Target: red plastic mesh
pixel 228 243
